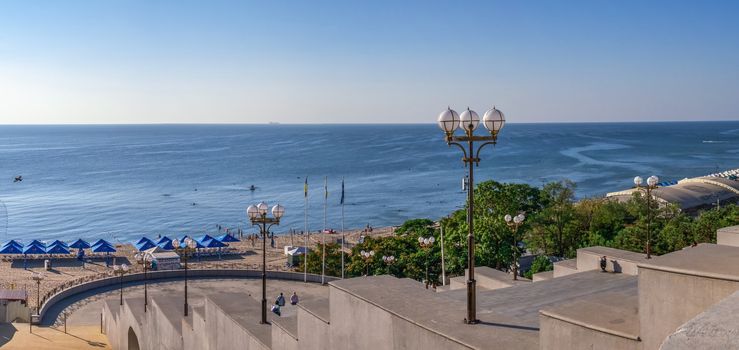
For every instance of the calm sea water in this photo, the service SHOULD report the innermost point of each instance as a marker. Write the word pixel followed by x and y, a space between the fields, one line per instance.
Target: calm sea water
pixel 128 181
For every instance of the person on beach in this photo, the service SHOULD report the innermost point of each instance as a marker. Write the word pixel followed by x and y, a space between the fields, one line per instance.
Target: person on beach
pixel 294 299
pixel 280 300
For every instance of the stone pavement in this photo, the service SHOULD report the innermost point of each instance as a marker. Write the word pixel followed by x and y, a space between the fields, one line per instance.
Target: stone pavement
pixel 16 336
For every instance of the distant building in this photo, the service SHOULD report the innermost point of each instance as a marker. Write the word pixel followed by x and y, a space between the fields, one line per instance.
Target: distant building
pixel 13 305
pixel 691 194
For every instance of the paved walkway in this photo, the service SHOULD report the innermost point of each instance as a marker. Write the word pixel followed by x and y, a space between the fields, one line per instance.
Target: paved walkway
pixel 16 336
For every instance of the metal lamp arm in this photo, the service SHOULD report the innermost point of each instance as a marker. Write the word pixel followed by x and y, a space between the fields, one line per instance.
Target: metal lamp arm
pixel 460 147
pixel 477 154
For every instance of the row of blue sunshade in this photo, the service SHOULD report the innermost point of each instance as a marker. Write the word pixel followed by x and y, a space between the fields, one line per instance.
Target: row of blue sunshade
pixel 14 247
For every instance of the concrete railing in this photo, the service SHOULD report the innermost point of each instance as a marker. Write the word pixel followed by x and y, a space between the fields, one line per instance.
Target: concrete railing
pixel 158 276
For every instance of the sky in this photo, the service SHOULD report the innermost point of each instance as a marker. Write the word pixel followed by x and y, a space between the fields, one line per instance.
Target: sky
pixel 149 61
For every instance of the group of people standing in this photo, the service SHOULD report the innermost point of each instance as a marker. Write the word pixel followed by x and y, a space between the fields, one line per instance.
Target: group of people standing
pixel 280 302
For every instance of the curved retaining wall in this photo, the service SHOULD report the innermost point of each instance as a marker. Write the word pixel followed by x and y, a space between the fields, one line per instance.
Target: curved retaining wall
pixel 153 276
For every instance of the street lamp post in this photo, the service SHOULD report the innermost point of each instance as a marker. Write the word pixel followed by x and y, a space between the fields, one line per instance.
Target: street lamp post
pixel 513 223
pixel 651 185
pixel 367 256
pixel 142 260
pixel 38 278
pixel 258 216
pixel 185 249
pixel 493 120
pixel 426 244
pixel 388 260
pixel 120 270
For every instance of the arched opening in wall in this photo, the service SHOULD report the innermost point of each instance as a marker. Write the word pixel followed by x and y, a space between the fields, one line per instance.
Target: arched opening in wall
pixel 133 340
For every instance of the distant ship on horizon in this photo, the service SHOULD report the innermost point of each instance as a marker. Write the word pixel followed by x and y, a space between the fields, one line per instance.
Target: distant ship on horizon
pixel 274 123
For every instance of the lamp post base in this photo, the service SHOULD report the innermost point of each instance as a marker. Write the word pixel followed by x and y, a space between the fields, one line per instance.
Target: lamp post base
pixel 264 312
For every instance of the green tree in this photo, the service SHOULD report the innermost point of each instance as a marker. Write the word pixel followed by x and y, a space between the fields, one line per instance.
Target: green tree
pixel 556 226
pixel 540 264
pixel 315 260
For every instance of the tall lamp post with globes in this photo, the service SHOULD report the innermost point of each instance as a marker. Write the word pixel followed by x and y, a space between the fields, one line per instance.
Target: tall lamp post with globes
pixel 120 270
pixel 651 185
pixel 142 259
pixel 367 256
pixel 258 216
pixel 38 278
pixel 185 249
pixel 449 121
pixel 514 222
pixel 426 244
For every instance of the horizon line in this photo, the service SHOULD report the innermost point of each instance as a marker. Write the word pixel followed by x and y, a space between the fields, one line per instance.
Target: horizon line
pixel 273 123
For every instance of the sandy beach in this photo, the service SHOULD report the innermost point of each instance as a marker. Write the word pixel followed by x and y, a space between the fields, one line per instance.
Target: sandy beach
pixel 67 272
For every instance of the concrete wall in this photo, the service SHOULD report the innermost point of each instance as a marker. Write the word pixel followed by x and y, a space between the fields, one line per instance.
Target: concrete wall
pixel 564 268
pixel 224 333
pixel 555 334
pixel 162 333
pixel 14 310
pixel 110 326
pixel 591 261
pixel 153 276
pixel 715 329
pixel 728 236
pixel 668 299
pixel 313 332
pixel 192 333
pixel 542 276
pixel 369 327
pixel 282 340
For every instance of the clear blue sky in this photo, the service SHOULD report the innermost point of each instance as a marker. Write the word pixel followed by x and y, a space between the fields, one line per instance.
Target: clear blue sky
pixel 369 61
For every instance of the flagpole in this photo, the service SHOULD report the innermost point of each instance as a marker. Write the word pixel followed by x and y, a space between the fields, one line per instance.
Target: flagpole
pixel 305 248
pixel 343 235
pixel 323 234
pixel 443 270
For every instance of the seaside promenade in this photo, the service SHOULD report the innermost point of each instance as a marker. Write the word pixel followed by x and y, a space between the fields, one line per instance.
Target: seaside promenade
pixel 68 272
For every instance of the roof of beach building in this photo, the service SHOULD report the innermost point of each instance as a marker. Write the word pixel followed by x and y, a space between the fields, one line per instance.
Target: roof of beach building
pixel 691 193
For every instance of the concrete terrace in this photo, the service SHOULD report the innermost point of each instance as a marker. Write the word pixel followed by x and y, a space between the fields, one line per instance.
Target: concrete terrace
pixel 637 304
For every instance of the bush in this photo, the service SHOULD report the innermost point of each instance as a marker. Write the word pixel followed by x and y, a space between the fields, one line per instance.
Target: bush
pixel 540 264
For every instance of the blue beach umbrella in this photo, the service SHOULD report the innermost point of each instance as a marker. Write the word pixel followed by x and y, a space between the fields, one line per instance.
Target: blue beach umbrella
pixel 33 249
pixel 58 242
pixel 163 239
pixel 57 249
pixel 145 245
pixel 228 238
pixel 166 245
pixel 205 238
pixel 103 248
pixel 80 244
pixel 13 243
pixel 101 242
pixel 11 249
pixel 198 244
pixel 143 239
pixel 38 243
pixel 213 243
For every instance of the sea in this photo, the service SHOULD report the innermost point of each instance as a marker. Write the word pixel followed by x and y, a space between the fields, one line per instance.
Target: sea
pixel 121 182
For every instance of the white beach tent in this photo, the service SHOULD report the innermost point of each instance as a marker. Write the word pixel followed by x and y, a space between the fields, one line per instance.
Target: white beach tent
pixel 162 259
pixel 293 254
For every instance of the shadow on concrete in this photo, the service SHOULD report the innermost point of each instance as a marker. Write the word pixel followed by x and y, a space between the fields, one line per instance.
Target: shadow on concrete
pixel 96 344
pixel 7 331
pixel 616 266
pixel 66 262
pixel 493 324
